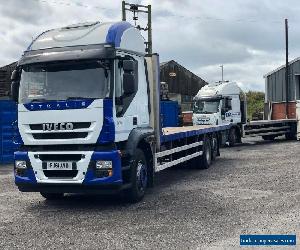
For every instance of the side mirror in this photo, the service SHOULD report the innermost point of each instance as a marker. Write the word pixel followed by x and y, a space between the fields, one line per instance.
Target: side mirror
pixel 128 83
pixel 14 90
pixel 14 75
pixel 223 111
pixel 128 65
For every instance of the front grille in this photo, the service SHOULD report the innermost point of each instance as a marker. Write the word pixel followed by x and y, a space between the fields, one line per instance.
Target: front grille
pixel 60 157
pixel 60 173
pixel 57 136
pixel 76 125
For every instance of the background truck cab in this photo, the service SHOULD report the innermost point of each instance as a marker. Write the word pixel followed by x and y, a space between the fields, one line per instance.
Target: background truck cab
pixel 221 103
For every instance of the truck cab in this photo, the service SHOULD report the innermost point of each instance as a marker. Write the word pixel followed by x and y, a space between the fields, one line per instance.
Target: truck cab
pixel 81 90
pixel 220 103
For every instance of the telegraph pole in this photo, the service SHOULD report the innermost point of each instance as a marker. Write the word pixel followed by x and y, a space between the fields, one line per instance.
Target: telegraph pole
pixel 222 67
pixel 287 67
pixel 135 9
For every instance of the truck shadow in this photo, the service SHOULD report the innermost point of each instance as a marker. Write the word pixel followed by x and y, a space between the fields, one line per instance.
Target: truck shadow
pixel 168 178
pixel 252 143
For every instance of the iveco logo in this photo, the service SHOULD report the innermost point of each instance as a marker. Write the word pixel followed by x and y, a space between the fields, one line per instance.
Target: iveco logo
pixel 58 126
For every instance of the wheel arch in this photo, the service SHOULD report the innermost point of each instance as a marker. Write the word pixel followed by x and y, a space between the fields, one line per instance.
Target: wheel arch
pixel 138 138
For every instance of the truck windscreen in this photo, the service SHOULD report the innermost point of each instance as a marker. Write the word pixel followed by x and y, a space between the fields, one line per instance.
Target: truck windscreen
pixel 64 80
pixel 206 107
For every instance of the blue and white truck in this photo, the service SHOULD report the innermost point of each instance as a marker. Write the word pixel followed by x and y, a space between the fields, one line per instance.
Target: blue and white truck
pixel 88 115
pixel 225 102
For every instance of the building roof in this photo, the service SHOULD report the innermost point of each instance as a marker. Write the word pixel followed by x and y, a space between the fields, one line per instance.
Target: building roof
pixel 163 64
pixel 281 67
pixel 180 80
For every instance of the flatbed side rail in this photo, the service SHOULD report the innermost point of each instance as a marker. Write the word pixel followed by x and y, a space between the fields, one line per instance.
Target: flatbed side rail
pixel 265 128
pixel 161 164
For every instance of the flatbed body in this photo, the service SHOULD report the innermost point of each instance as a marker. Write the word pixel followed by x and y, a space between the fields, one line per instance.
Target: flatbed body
pixel 269 129
pixel 183 144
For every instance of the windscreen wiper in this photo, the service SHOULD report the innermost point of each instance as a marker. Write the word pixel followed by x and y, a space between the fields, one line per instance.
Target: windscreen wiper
pixel 39 100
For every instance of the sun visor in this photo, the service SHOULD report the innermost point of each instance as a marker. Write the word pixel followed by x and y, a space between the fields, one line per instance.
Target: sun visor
pixel 208 98
pixel 68 53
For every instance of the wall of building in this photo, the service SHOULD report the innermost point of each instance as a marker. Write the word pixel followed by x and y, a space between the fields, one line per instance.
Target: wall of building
pixel 276 87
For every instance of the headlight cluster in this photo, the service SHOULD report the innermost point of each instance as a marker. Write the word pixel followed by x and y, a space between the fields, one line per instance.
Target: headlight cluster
pixel 103 165
pixel 20 167
pixel 103 169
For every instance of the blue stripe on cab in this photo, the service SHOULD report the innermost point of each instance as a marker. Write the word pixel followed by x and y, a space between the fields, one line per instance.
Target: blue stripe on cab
pixel 107 133
pixel 115 33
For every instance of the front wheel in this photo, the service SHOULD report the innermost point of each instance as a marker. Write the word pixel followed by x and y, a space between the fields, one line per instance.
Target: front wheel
pixel 52 196
pixel 138 177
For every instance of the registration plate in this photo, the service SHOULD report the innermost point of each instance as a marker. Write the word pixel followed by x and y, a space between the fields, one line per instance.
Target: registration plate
pixel 59 165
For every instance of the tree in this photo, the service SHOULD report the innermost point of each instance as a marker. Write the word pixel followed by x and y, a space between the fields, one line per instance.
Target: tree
pixel 255 103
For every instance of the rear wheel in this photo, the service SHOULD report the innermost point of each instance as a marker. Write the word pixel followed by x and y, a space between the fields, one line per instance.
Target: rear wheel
pixel 268 137
pixel 290 136
pixel 232 138
pixel 205 158
pixel 138 177
pixel 52 196
pixel 214 147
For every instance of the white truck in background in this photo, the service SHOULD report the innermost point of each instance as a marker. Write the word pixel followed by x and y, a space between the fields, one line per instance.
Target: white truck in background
pixel 225 102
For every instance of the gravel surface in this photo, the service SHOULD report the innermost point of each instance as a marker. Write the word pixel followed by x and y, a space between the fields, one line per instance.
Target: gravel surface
pixel 251 189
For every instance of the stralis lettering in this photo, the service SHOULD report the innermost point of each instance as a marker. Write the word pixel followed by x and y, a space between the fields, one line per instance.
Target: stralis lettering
pixel 58 126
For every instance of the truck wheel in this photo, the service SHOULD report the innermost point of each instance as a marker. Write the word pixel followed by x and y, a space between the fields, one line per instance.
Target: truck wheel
pixel 268 137
pixel 52 196
pixel 205 158
pixel 214 147
pixel 138 177
pixel 290 136
pixel 232 138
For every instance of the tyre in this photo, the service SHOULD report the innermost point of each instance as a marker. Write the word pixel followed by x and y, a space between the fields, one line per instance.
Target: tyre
pixel 205 158
pixel 52 196
pixel 268 137
pixel 138 177
pixel 290 136
pixel 232 138
pixel 214 147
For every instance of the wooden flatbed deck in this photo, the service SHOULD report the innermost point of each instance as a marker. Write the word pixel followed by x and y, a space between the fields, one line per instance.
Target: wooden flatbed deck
pixel 174 133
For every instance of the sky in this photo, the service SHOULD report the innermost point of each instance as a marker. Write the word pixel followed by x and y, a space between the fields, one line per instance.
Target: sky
pixel 246 36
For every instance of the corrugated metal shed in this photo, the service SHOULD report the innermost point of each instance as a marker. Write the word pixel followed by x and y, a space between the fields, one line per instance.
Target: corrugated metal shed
pixel 275 83
pixel 179 79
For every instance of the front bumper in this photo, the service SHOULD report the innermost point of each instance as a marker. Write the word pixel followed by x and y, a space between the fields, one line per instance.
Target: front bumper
pixel 85 180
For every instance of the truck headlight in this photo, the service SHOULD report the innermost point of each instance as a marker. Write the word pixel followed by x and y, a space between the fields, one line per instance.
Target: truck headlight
pixel 20 168
pixel 103 165
pixel 20 164
pixel 103 169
